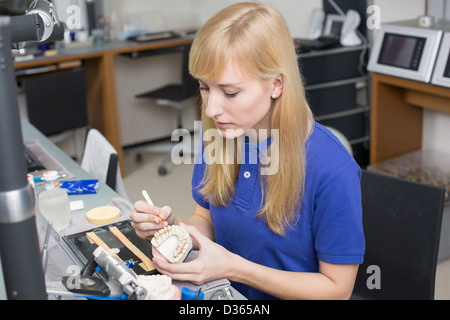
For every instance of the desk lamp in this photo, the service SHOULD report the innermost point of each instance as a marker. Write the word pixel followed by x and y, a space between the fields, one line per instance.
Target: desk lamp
pixel 20 254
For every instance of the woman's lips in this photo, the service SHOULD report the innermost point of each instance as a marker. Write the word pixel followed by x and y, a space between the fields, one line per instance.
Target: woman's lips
pixel 223 125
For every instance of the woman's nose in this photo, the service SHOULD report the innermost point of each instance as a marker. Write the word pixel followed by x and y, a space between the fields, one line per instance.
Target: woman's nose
pixel 213 106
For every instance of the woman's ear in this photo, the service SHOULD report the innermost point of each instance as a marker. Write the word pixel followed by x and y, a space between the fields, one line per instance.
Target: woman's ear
pixel 277 88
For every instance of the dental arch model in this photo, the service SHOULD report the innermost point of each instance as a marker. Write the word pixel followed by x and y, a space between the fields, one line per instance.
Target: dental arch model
pixel 159 287
pixel 173 242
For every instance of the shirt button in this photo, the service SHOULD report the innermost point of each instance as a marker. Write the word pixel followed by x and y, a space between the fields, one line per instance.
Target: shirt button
pixel 247 174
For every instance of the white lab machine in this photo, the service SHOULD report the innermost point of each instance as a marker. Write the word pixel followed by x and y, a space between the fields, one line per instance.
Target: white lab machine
pixel 407 50
pixel 441 74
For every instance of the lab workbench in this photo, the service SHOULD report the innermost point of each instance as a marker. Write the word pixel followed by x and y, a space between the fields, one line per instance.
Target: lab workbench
pixel 30 133
pixel 98 62
pixel 104 196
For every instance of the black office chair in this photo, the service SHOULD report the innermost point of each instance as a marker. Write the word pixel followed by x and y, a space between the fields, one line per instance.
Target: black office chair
pixel 177 96
pixel 402 225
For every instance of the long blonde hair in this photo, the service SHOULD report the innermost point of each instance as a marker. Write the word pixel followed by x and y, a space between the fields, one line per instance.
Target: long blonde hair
pixel 259 38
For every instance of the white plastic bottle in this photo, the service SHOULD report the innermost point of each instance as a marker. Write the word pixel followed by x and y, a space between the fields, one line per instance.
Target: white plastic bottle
pixel 30 179
pixel 54 202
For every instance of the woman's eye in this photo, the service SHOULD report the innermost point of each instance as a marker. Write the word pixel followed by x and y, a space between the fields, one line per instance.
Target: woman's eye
pixel 231 95
pixel 204 88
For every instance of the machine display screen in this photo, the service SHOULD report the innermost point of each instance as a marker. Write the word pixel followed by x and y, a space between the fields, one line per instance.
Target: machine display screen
pixel 402 51
pixel 447 68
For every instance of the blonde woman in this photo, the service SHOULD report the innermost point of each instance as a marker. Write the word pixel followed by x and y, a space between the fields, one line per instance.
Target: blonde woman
pixel 294 232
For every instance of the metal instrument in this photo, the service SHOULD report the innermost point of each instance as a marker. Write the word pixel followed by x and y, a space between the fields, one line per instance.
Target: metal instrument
pixel 122 281
pixel 119 272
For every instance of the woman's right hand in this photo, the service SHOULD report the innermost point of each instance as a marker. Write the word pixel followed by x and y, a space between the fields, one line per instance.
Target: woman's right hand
pixel 145 219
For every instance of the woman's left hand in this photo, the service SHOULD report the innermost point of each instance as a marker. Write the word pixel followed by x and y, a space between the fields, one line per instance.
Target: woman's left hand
pixel 213 261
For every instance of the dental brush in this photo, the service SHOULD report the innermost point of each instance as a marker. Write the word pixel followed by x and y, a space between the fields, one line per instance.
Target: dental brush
pixel 150 202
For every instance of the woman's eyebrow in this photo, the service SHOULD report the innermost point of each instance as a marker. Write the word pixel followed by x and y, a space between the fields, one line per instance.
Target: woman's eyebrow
pixel 226 84
pixel 230 84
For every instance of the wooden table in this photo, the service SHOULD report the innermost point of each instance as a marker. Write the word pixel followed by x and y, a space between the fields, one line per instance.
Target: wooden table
pixel 397 114
pixel 98 63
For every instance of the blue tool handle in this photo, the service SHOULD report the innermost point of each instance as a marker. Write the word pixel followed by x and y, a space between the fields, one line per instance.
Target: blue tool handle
pixel 188 294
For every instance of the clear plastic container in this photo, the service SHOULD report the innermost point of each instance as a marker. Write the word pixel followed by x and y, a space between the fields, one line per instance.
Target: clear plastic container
pixel 54 202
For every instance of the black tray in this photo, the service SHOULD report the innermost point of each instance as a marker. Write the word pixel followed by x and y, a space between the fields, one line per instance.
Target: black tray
pixel 83 248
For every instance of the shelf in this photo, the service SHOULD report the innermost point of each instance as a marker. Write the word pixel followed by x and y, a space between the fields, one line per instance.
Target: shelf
pixel 359 109
pixel 328 65
pixel 338 83
pixel 338 50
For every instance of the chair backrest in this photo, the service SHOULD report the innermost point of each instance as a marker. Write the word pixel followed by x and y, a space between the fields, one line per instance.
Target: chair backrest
pixel 190 85
pixel 56 102
pixel 101 161
pixel 402 225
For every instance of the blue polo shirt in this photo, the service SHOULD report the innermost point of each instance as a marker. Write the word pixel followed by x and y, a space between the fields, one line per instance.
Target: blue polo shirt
pixel 329 224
